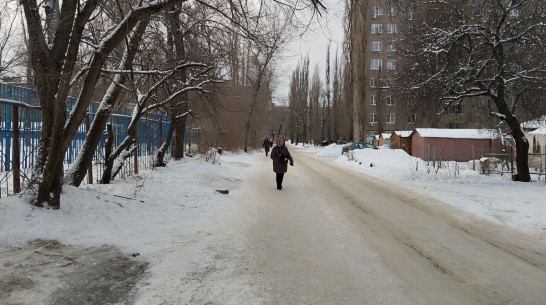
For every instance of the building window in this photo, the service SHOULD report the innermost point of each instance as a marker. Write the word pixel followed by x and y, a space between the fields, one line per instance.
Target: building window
pixel 478 10
pixel 373 83
pixel 372 100
pixel 514 12
pixel 412 118
pixel 390 101
pixel 391 47
pixel 392 10
pixel 391 28
pixel 411 13
pixel 377 28
pixel 390 118
pixel 391 64
pixel 377 10
pixel 373 118
pixel 376 46
pixel 390 82
pixel 376 64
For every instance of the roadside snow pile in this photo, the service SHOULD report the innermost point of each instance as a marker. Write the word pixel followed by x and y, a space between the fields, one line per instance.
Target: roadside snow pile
pixel 397 165
pixel 331 152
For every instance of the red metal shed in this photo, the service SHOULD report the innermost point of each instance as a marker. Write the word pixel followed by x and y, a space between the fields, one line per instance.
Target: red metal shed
pixel 401 140
pixel 454 144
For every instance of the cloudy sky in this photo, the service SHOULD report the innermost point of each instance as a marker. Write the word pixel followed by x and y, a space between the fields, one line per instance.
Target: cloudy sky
pixel 313 42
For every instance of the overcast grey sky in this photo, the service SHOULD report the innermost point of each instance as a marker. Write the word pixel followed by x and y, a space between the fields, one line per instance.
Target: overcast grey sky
pixel 313 42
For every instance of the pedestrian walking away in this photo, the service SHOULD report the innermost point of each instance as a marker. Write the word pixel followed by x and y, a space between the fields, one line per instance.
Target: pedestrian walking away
pixel 281 157
pixel 266 145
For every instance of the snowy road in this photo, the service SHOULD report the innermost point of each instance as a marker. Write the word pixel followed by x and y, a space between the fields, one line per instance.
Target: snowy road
pixel 334 236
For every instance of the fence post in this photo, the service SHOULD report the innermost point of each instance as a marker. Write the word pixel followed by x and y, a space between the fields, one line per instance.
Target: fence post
pixel 136 152
pixel 428 154
pixel 512 161
pixel 473 159
pixel 544 164
pixel 434 156
pixel 9 136
pixel 16 151
pixel 189 141
pixel 90 168
pixel 160 132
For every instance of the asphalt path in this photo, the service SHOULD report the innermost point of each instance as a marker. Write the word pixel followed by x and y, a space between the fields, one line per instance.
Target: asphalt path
pixel 336 236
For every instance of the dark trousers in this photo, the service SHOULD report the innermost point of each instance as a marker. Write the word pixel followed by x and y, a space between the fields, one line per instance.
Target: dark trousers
pixel 280 176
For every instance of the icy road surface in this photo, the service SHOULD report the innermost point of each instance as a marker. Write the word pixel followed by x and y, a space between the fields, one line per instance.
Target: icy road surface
pixel 334 236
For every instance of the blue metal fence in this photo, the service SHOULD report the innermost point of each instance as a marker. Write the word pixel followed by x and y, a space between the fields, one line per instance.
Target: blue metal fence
pixel 151 132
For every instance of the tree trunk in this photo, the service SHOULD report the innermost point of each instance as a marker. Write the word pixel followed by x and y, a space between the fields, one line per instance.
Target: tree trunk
pixel 177 152
pixel 522 144
pixel 109 172
pixel 358 64
pixel 161 152
pixel 248 123
pixel 77 171
pixel 50 186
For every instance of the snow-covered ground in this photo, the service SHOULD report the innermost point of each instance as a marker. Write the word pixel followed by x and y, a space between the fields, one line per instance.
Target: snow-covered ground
pixel 179 206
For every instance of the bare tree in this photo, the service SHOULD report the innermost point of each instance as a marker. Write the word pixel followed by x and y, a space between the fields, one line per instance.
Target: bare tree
pixel 498 55
pixel 327 126
pixel 12 48
pixel 298 102
pixel 357 12
pixel 54 51
pixel 315 111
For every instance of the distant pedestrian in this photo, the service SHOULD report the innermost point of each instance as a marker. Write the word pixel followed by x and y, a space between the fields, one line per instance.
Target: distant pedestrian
pixel 266 145
pixel 281 156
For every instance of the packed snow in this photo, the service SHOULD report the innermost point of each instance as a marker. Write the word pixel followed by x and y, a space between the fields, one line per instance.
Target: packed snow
pixel 179 205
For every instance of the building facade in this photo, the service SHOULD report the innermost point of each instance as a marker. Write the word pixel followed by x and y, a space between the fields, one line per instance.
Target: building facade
pixel 387 24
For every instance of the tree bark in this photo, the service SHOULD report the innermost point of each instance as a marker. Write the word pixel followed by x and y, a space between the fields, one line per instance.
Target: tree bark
pixel 179 105
pixel 163 149
pixel 522 144
pixel 358 65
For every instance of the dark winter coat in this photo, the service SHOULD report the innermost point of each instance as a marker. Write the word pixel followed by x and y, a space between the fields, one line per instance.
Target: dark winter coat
pixel 266 144
pixel 278 165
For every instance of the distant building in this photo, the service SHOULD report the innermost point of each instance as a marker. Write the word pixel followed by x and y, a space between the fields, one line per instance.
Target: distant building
pixel 223 115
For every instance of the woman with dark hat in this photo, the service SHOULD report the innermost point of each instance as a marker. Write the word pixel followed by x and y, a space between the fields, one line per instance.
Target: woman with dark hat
pixel 281 156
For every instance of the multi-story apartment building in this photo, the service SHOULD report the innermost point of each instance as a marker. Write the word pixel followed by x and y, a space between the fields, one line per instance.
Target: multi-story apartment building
pixel 384 109
pixel 380 104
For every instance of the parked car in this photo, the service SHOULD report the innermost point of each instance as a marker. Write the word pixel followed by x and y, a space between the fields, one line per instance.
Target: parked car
pixel 356 145
pixel 326 142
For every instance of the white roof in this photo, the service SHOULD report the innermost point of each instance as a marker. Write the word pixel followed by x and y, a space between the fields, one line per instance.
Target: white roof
pixel 536 123
pixel 458 133
pixel 539 131
pixel 404 133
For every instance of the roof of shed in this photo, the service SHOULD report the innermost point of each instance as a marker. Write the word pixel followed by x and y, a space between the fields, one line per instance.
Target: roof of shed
pixel 539 131
pixel 457 133
pixel 403 133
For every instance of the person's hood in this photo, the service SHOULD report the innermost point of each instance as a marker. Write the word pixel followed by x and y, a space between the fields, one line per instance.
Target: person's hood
pixel 281 139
